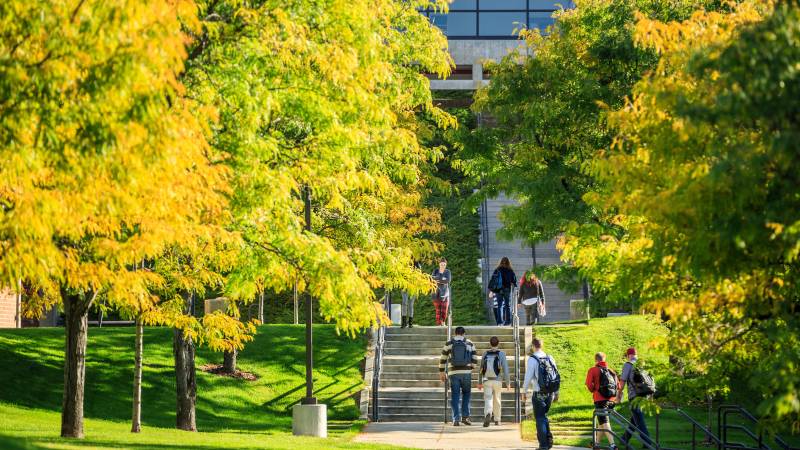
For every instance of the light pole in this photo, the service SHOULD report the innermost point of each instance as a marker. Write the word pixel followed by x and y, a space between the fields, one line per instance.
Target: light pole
pixel 309 398
pixel 309 418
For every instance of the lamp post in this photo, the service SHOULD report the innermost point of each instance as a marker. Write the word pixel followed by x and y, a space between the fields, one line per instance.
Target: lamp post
pixel 309 418
pixel 309 398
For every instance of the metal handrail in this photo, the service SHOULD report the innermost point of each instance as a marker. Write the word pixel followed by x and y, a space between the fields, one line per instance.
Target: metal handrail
pixel 515 322
pixel 695 426
pixel 622 421
pixel 723 427
pixel 377 367
pixel 447 363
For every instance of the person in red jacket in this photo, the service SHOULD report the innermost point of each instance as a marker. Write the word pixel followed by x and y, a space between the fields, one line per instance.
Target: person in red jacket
pixel 604 385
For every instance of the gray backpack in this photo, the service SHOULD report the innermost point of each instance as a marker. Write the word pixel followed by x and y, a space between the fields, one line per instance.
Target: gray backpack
pixel 460 356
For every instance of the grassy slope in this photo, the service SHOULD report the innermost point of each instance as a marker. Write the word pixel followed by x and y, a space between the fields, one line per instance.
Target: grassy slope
pixel 574 349
pixel 230 413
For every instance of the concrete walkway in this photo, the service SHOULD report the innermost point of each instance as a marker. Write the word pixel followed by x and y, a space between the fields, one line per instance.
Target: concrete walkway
pixel 438 435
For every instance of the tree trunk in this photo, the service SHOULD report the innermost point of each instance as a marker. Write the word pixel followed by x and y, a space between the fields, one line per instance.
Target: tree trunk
pixel 136 416
pixel 76 326
pixel 185 382
pixel 229 361
pixel 261 308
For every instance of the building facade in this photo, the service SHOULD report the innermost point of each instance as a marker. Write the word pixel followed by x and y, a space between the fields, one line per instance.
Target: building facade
pixel 486 30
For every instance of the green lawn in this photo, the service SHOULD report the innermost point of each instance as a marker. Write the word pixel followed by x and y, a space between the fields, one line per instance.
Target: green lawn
pixel 573 348
pixel 231 413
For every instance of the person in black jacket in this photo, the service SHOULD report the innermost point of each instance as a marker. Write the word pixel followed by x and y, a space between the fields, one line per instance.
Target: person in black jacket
pixel 504 296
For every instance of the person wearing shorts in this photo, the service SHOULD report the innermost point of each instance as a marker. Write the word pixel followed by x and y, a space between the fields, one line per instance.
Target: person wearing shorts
pixel 601 401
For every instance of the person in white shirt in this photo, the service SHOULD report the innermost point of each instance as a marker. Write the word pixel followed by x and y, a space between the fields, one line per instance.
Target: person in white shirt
pixel 541 400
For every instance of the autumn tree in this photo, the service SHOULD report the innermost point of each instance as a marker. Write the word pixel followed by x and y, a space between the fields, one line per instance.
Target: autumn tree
pixel 103 162
pixel 549 105
pixel 703 176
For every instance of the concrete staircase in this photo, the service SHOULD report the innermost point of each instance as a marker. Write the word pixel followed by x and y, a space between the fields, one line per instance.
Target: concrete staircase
pixel 410 390
pixel 522 259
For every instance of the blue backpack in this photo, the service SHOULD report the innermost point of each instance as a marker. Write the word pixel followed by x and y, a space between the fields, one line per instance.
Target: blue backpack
pixel 496 282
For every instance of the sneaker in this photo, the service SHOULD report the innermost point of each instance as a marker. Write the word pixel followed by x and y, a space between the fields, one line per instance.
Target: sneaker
pixel 487 420
pixel 466 421
pixel 497 422
pixel 612 447
pixel 456 423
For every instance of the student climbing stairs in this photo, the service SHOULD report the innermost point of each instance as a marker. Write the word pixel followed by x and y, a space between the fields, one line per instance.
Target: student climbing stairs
pixel 409 385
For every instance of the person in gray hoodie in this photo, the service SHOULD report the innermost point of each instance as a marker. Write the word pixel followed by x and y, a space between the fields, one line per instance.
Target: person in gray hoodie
pixel 494 369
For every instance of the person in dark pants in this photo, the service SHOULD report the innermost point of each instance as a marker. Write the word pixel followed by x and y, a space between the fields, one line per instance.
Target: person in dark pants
pixel 459 356
pixel 504 295
pixel 637 416
pixel 541 402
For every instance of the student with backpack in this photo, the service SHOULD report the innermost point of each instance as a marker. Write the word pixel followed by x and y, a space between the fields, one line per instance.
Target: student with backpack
pixel 459 356
pixel 494 368
pixel 531 296
pixel 502 280
pixel 541 374
pixel 639 384
pixel 605 386
pixel 441 295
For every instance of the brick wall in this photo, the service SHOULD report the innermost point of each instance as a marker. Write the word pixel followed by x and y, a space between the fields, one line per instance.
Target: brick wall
pixel 8 307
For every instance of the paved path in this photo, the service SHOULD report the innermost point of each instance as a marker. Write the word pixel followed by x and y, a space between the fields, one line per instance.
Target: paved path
pixel 438 435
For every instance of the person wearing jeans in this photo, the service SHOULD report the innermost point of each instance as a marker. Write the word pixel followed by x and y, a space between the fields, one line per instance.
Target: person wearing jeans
pixel 541 401
pixel 459 357
pixel 637 416
pixel 509 279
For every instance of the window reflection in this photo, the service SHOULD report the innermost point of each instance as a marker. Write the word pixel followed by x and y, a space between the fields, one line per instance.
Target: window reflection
pixel 500 23
pixel 495 19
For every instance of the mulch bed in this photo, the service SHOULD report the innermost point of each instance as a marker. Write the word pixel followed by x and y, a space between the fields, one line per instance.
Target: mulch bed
pixel 217 369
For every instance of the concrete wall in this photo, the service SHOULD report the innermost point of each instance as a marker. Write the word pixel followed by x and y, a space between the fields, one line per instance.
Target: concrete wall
pixel 8 308
pixel 465 52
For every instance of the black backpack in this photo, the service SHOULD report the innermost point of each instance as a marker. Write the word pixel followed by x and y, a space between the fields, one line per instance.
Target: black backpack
pixel 496 282
pixel 608 383
pixel 495 363
pixel 643 383
pixel 460 356
pixel 549 378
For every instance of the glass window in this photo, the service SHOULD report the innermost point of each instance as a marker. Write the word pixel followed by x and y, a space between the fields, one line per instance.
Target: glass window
pixel 550 4
pixel 501 23
pixel 518 5
pixel 440 20
pixel 540 20
pixel 464 4
pixel 461 24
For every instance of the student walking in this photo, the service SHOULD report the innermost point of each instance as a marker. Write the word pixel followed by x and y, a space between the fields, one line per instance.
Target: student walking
pixel 494 368
pixel 441 295
pixel 502 280
pixel 459 355
pixel 531 295
pixel 541 374
pixel 407 306
pixel 495 309
pixel 639 383
pixel 604 385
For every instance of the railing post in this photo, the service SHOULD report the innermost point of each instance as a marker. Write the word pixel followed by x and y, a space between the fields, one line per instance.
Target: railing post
pixel 515 322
